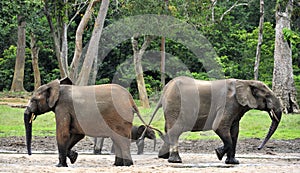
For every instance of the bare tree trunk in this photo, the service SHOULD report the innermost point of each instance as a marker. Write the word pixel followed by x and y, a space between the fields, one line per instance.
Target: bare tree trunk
pixel 283 82
pixel 260 40
pixel 163 61
pixel 92 51
pixel 214 2
pixel 64 43
pixel 137 58
pixel 78 43
pixel 57 36
pixel 35 59
pixel 17 84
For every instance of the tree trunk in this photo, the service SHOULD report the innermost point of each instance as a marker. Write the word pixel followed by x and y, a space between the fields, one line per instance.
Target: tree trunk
pixel 137 59
pixel 78 43
pixel 64 45
pixel 163 61
pixel 35 59
pixel 283 82
pixel 92 51
pixel 59 38
pixel 17 84
pixel 260 40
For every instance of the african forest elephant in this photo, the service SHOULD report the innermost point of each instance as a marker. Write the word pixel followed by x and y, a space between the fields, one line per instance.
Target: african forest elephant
pixel 196 105
pixel 136 133
pixel 99 110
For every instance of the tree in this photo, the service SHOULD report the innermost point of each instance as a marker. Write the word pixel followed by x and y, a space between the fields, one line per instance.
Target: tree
pixel 35 61
pixel 92 52
pixel 137 59
pixel 17 84
pixel 79 41
pixel 260 39
pixel 283 82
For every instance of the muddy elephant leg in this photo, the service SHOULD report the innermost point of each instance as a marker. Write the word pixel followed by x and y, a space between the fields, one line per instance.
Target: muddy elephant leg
pixel 98 145
pixel 234 137
pixel 71 154
pixel 140 145
pixel 122 151
pixel 174 134
pixel 63 140
pixel 112 150
pixel 225 136
pixel 62 143
pixel 164 151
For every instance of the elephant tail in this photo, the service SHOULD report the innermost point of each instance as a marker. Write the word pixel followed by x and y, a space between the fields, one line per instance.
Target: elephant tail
pixel 136 110
pixel 159 105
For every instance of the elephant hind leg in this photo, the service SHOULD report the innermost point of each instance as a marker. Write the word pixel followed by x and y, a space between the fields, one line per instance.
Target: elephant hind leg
pixel 72 155
pixel 173 135
pixel 164 151
pixel 122 151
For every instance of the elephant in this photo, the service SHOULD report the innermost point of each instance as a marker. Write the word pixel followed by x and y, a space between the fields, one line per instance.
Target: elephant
pixel 99 110
pixel 197 105
pixel 136 133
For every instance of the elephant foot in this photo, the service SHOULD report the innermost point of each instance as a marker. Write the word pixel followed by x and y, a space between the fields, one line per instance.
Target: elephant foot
pixel 61 165
pixel 97 152
pixel 163 155
pixel 140 152
pixel 122 162
pixel 72 155
pixel 174 158
pixel 220 152
pixel 231 161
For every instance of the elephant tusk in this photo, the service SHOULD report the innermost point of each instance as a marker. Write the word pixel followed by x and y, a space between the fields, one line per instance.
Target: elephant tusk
pixel 32 118
pixel 274 115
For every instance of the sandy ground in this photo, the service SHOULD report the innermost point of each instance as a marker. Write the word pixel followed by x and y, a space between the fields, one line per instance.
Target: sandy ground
pixel 150 163
pixel 197 156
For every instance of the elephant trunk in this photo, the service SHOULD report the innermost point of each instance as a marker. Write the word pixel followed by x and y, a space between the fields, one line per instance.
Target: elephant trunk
pixel 154 144
pixel 28 130
pixel 276 117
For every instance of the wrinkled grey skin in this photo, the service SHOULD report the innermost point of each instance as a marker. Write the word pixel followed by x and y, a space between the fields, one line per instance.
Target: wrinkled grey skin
pixel 99 110
pixel 136 133
pixel 195 105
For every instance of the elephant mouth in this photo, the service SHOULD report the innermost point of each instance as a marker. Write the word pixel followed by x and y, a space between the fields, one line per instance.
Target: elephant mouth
pixel 273 115
pixel 32 118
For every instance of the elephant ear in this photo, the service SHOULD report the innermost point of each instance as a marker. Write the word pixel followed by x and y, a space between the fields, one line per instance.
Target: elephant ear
pixel 66 81
pixel 53 88
pixel 140 130
pixel 244 93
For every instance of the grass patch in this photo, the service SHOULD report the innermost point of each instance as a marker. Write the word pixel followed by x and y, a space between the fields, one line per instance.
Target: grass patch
pixel 12 123
pixel 254 124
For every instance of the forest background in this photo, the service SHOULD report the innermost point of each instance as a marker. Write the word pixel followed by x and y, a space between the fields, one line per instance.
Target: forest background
pixel 232 27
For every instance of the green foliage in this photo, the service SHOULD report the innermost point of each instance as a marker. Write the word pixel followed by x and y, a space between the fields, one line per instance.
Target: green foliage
pixel 7 66
pixel 291 36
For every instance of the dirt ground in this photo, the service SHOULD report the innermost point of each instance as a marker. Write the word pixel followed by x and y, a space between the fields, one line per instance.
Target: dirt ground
pixel 197 156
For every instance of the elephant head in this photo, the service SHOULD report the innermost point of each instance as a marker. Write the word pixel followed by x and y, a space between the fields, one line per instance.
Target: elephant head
pixel 148 132
pixel 42 101
pixel 256 95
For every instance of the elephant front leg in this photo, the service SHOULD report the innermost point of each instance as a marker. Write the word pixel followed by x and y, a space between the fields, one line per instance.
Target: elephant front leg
pixel 140 145
pixel 227 148
pixel 234 132
pixel 62 156
pixel 63 140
